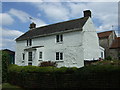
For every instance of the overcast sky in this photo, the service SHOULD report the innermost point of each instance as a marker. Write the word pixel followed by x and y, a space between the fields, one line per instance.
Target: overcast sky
pixel 15 16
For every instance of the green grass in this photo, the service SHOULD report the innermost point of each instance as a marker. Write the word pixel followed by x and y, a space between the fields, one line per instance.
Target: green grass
pixel 7 86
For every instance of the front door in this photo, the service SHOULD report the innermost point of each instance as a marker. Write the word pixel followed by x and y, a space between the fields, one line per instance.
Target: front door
pixel 29 58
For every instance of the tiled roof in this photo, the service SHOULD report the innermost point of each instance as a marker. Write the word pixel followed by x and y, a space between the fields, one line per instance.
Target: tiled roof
pixel 116 43
pixel 104 34
pixel 54 28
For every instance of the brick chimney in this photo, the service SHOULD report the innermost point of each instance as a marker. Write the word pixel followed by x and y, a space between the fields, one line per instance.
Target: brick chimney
pixel 32 25
pixel 87 13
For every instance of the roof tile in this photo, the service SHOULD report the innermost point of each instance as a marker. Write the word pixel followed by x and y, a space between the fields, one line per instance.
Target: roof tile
pixel 58 27
pixel 104 34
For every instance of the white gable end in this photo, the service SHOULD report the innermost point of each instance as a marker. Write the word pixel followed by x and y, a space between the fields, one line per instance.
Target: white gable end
pixel 90 41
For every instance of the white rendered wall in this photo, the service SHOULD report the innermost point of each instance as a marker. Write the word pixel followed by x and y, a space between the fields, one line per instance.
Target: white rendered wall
pixel 102 50
pixel 20 45
pixel 90 41
pixel 71 48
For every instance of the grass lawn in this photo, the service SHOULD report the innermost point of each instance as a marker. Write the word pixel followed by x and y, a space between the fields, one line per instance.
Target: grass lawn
pixel 7 86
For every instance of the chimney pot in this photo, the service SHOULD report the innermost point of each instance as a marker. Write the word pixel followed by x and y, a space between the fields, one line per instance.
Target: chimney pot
pixel 87 13
pixel 32 25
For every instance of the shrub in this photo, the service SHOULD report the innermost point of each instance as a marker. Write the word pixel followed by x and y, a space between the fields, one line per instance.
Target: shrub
pixel 7 86
pixel 5 64
pixel 109 58
pixel 47 64
pixel 104 75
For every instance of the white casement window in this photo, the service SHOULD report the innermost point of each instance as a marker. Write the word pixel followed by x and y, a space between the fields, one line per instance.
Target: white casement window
pixel 29 42
pixel 59 38
pixel 40 55
pixel 59 56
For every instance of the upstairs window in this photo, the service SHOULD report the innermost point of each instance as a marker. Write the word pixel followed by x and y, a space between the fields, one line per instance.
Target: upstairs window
pixel 59 56
pixel 59 38
pixel 29 42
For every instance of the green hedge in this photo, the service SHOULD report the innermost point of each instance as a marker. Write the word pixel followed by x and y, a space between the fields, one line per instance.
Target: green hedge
pixel 5 64
pixel 95 76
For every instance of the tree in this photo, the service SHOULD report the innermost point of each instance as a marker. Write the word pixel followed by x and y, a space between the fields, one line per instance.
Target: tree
pixel 5 63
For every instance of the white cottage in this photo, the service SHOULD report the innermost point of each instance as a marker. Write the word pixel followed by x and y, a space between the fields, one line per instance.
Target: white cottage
pixel 68 43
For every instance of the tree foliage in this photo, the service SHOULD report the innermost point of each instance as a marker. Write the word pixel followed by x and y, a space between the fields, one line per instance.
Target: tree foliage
pixel 5 63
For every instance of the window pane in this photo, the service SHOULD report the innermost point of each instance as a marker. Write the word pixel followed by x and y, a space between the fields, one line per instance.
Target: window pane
pixel 23 56
pixel 30 56
pixel 57 55
pixel 30 42
pixel 27 42
pixel 102 54
pixel 61 38
pixel 40 55
pixel 57 38
pixel 61 56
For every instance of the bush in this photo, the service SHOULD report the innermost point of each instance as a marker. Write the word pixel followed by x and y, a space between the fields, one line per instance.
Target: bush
pixel 29 69
pixel 5 64
pixel 50 77
pixel 109 58
pixel 7 86
pixel 47 64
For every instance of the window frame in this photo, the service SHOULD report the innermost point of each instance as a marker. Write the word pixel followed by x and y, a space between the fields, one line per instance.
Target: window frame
pixel 23 54
pixel 40 55
pixel 59 56
pixel 29 56
pixel 29 42
pixel 102 54
pixel 59 38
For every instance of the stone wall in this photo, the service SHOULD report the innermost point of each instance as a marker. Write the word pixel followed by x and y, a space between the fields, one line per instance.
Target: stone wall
pixel 115 53
pixel 104 43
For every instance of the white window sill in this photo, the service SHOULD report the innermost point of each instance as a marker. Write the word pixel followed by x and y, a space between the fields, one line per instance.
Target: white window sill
pixel 59 42
pixel 40 60
pixel 58 60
